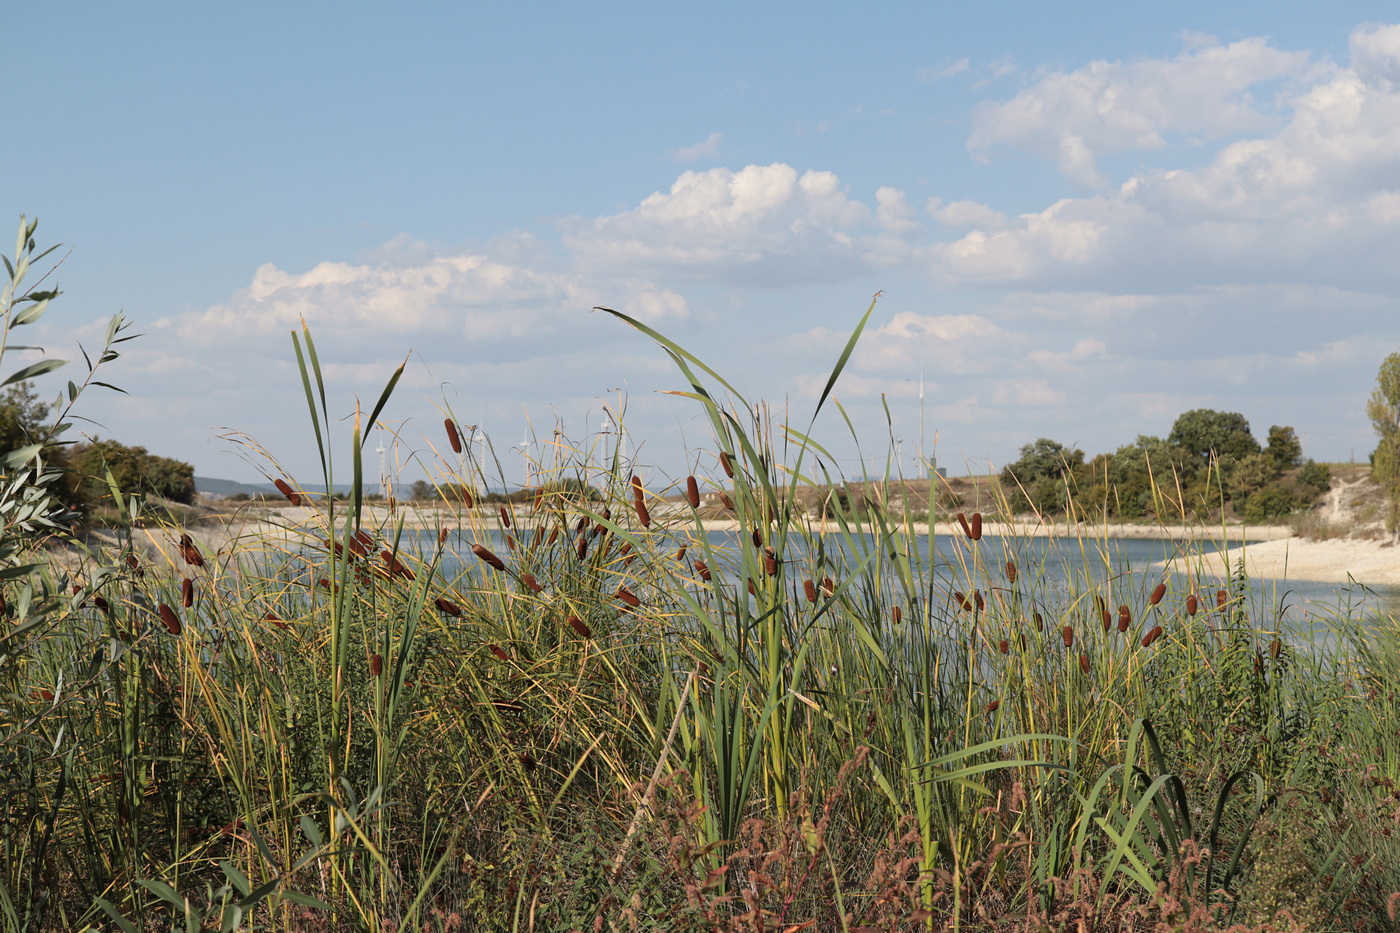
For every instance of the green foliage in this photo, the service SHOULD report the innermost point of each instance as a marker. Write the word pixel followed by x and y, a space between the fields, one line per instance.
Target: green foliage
pixel 135 471
pixel 1206 434
pixel 1269 502
pixel 1383 409
pixel 1312 479
pixel 1284 447
pixel 1044 478
pixel 1249 474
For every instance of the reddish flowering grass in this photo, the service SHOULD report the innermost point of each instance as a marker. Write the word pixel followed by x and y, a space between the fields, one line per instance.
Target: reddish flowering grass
pixel 287 491
pixel 484 553
pixel 171 620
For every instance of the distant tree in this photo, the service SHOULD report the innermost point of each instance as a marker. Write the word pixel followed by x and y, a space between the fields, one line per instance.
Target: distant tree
pixel 21 416
pixel 421 491
pixel 1248 475
pixel 1313 479
pixel 1267 503
pixel 134 469
pixel 1383 409
pixel 1207 433
pixel 1284 447
pixel 1044 478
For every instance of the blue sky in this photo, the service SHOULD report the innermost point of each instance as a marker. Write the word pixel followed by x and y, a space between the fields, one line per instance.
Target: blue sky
pixel 1085 219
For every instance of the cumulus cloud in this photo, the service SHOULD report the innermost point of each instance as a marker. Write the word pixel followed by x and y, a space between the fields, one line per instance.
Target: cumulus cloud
pixel 1073 116
pixel 763 224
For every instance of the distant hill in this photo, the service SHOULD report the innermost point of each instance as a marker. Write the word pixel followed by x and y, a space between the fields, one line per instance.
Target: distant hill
pixel 211 487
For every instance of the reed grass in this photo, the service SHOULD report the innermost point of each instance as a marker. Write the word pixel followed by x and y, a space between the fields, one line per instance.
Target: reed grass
pixel 595 713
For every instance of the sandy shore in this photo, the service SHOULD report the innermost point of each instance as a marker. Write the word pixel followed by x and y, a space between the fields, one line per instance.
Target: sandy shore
pixel 1373 563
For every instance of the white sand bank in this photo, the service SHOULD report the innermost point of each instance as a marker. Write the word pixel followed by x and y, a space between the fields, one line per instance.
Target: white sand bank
pixel 1374 563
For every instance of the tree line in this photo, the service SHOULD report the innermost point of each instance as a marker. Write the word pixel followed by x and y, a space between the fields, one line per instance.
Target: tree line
pixel 1209 462
pixel 85 465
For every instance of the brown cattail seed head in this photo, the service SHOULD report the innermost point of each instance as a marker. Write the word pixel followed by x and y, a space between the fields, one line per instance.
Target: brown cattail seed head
pixel 1191 604
pixel 511 543
pixel 637 491
pixel 975 533
pixel 828 586
pixel 499 652
pixel 1221 598
pixel 753 591
pixel 967 529
pixel 485 555
pixel 448 606
pixel 692 492
pixel 1004 646
pixel 505 516
pixel 993 706
pixel 896 615
pixel 286 490
pixel 757 538
pixel 770 562
pixel 187 592
pixel 1107 620
pixel 1125 618
pixel 376 665
pixel 272 617
pixel 702 570
pixel 172 621
pixel 1157 594
pixel 323 583
pixel 1067 634
pixel 727 463
pixel 1084 663
pixel 643 513
pixel 442 536
pixel 1010 572
pixel 961 600
pixel 453 437
pixel 810 589
pixel 680 554
pixel 135 564
pixel 727 502
pixel 1275 648
pixel 977 599
pixel 578 625
pixel 628 597
pixel 530 582
pixel 553 536
pixel 1151 636
pixel 581 546
pixel 1039 622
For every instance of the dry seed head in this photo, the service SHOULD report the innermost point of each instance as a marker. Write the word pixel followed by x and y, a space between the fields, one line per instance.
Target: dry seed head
pixel 1084 663
pixel 505 516
pixel 896 615
pixel 977 600
pixel 1107 619
pixel 753 591
pixel 628 597
pixel 1221 598
pixel 581 547
pixel 510 543
pixel 1067 634
pixel 485 554
pixel 376 665
pixel 553 536
pixel 1157 594
pixel 727 463
pixel 757 538
pixel 1125 618
pixel 1010 572
pixel 1275 648
pixel 530 582
pixel 272 617
pixel 638 492
pixel 1039 622
pixel 643 513
pixel 172 621
pixel 579 626
pixel 1191 604
pixel 692 492
pixel 442 536
pixel 976 531
pixel 1151 636
pixel 993 706
pixel 447 606
pixel 187 592
pixel 323 583
pixel 703 570
pixel 286 490
pixel 967 529
pixel 680 554
pixel 1004 646
pixel 725 501
pixel 499 652
pixel 810 589
pixel 453 437
pixel 828 586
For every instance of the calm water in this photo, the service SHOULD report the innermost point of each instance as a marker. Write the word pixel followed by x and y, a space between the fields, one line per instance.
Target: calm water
pixel 1127 566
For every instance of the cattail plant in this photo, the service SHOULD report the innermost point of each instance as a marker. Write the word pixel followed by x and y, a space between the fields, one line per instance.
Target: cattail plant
pixel 453 437
pixel 447 606
pixel 692 492
pixel 486 556
pixel 171 620
pixel 287 491
pixel 187 592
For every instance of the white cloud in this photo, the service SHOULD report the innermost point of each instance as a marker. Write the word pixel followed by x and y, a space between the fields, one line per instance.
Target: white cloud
pixel 762 224
pixel 707 147
pixel 1106 107
pixel 946 70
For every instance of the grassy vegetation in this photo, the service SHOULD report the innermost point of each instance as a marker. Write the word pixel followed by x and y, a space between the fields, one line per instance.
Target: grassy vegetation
pixel 584 713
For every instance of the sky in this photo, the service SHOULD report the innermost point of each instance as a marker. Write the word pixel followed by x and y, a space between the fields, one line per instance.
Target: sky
pixel 1082 220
